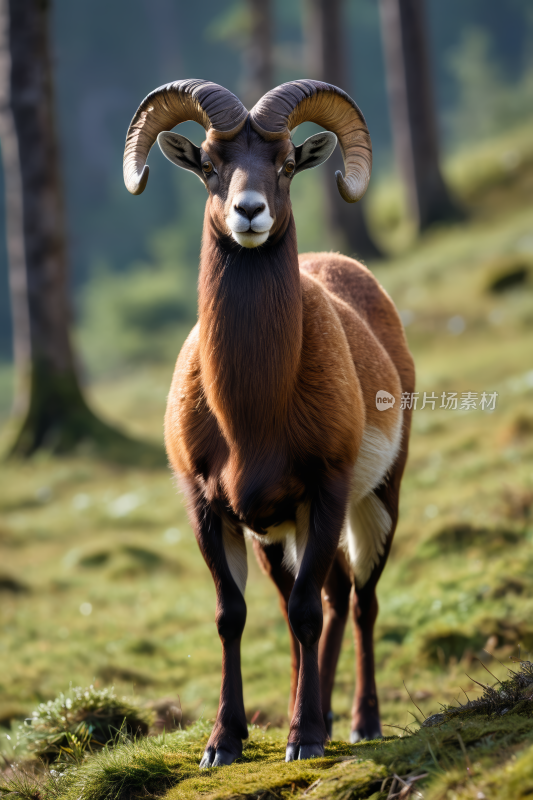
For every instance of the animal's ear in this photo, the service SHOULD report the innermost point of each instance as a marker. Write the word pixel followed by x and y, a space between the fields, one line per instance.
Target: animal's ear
pixel 315 150
pixel 181 152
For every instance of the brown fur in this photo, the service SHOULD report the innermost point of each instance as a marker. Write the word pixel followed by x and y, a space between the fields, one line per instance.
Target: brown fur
pixel 270 398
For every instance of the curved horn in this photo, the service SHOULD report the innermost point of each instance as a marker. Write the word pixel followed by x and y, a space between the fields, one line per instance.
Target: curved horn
pixel 283 108
pixel 201 101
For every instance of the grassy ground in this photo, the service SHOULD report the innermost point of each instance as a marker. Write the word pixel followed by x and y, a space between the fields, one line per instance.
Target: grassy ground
pixel 101 581
pixel 482 758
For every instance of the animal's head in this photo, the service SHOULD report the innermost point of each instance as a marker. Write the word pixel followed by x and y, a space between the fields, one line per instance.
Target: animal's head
pixel 248 159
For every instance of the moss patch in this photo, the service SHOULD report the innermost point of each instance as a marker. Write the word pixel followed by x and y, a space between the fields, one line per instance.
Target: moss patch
pixel 81 720
pixel 459 755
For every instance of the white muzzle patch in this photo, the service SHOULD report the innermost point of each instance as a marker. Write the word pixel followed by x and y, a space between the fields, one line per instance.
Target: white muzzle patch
pixel 249 219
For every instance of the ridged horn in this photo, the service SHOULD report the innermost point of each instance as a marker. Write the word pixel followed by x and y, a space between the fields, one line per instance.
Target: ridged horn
pixel 288 105
pixel 201 101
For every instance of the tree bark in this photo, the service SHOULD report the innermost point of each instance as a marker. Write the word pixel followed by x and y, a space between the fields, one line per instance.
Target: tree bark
pixel 49 404
pixel 258 66
pixel 412 111
pixel 327 61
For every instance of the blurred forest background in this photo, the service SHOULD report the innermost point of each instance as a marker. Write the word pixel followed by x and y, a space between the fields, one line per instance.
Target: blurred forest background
pixel 100 577
pixel 134 260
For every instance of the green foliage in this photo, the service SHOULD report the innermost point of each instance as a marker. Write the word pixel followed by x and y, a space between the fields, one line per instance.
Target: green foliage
pixel 81 719
pixel 508 273
pixel 124 771
pixel 22 783
pixel 488 102
pixel 6 389
pixel 307 195
pixel 460 536
pixel 232 25
pixel 145 313
pixel 511 696
pixel 491 175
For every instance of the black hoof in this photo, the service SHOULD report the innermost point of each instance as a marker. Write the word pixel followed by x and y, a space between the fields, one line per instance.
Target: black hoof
pixel 208 758
pixel 301 752
pixel 365 736
pixel 328 722
pixel 311 751
pixel 216 758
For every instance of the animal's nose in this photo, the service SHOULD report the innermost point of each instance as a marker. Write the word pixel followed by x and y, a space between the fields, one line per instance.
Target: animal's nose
pixel 250 208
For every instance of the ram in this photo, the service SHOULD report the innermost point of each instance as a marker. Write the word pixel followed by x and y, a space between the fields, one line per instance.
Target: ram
pixel 273 426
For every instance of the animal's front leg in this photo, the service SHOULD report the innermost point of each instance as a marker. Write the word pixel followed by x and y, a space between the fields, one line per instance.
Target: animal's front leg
pixel 308 733
pixel 270 558
pixel 224 551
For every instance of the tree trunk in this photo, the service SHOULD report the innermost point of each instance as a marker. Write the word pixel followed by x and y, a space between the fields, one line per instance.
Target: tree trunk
pixel 326 61
pixel 412 111
pixel 257 55
pixel 48 401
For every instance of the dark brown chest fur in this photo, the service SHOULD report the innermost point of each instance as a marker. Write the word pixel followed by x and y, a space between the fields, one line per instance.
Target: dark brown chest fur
pixel 261 475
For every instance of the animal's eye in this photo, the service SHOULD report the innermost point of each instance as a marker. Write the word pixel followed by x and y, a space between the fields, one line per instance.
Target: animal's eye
pixel 207 167
pixel 289 167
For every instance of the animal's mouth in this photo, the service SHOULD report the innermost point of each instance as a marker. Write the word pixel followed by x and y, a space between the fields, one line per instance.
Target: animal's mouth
pixel 250 238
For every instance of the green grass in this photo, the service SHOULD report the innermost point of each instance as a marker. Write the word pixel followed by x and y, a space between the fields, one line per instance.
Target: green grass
pixel 460 759
pixel 82 719
pixel 171 762
pixel 101 581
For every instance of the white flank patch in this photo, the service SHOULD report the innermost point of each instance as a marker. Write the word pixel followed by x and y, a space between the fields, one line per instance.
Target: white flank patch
pixel 235 550
pixel 368 522
pixel 376 456
pixel 364 536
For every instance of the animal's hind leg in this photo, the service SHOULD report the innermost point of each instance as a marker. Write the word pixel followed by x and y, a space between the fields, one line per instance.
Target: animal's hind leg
pixel 365 712
pixel 335 604
pixel 270 558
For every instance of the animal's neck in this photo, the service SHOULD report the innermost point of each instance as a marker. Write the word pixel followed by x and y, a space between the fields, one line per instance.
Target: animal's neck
pixel 250 309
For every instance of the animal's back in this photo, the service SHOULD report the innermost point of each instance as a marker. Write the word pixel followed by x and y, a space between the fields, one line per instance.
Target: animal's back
pixel 356 286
